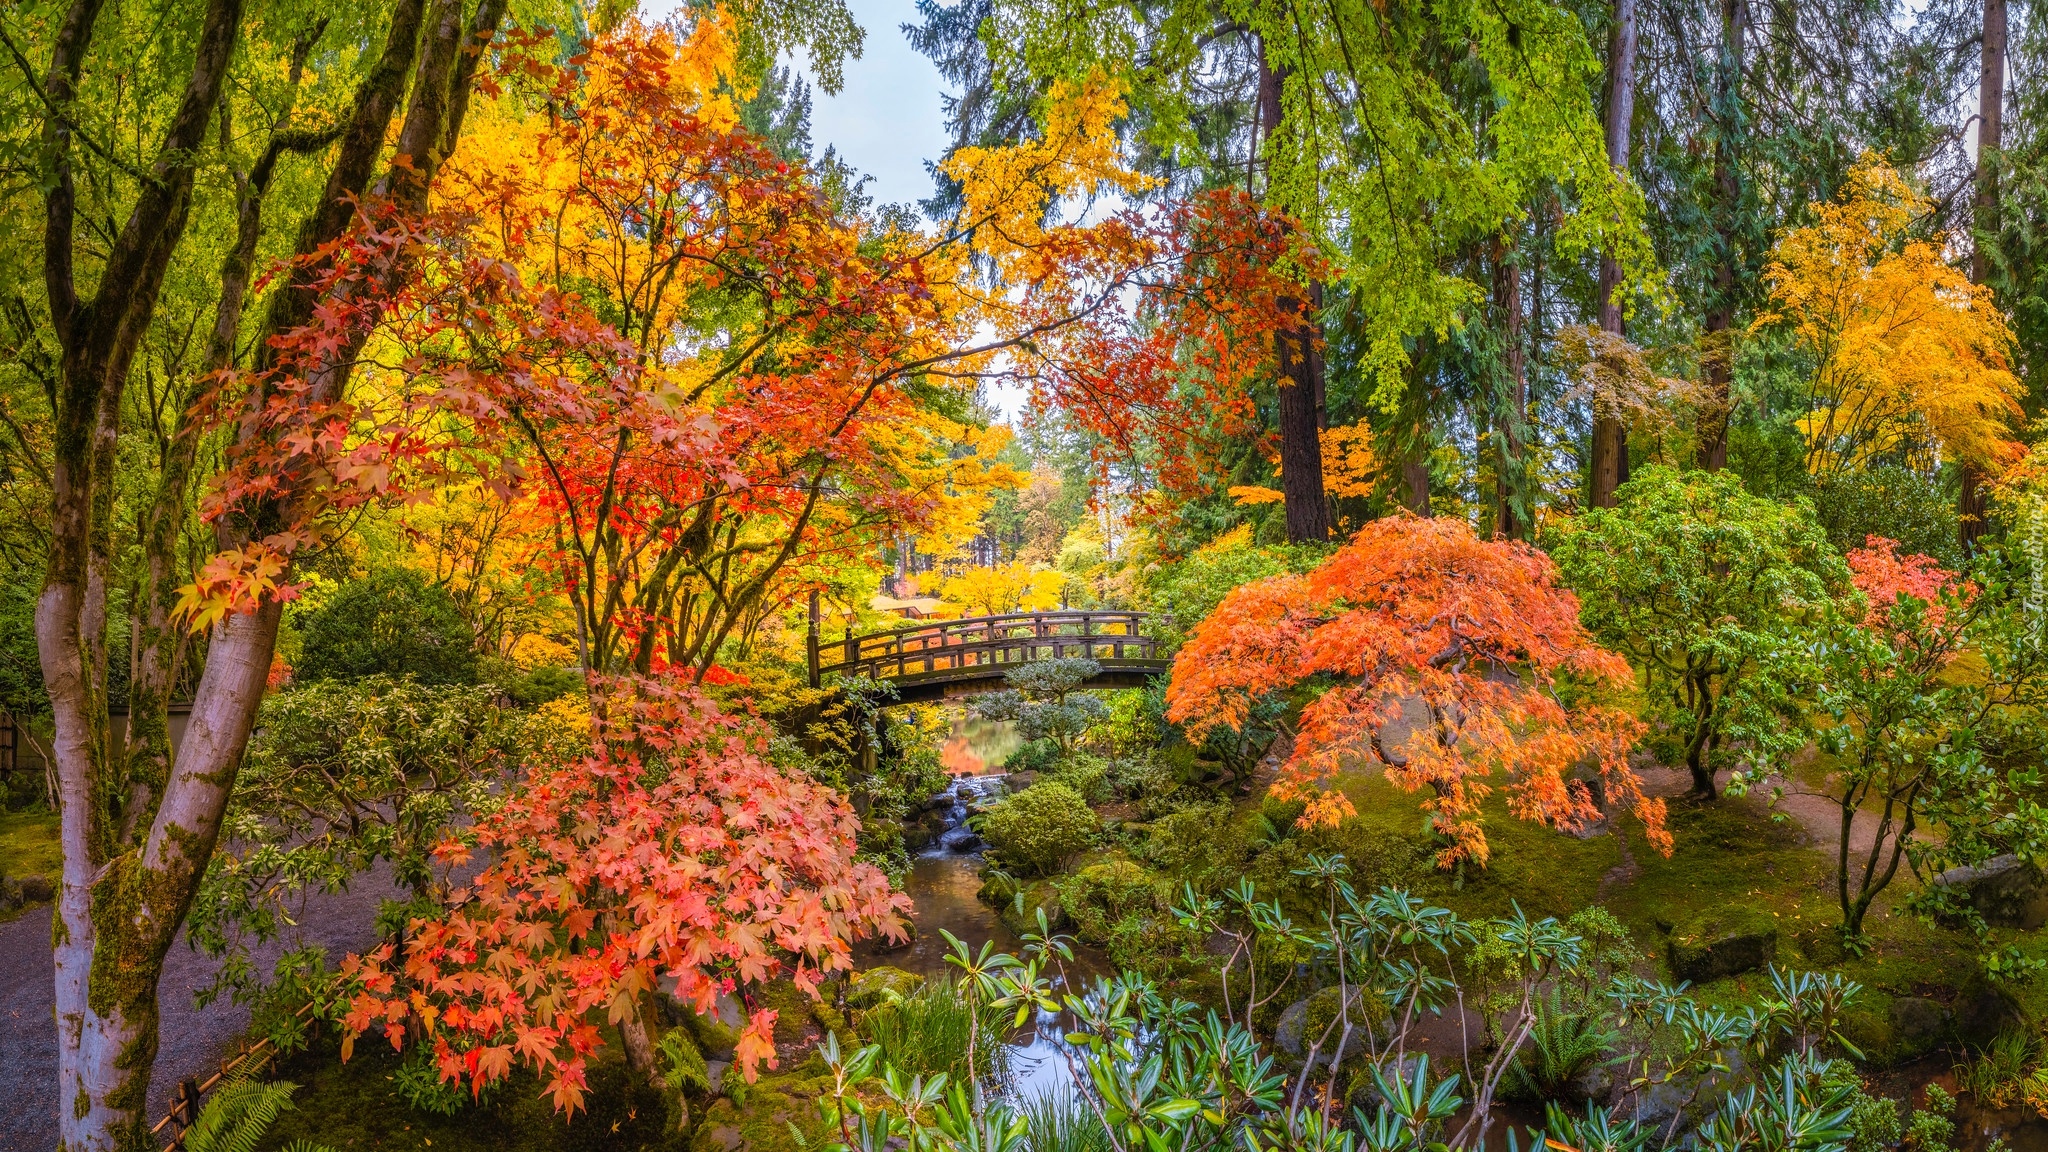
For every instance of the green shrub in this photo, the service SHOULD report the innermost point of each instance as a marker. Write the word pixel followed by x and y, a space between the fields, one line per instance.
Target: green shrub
pixel 1873 1119
pixel 1932 1128
pixel 1203 846
pixel 1033 756
pixel 1039 827
pixel 1088 775
pixel 1100 895
pixel 391 623
pixel 420 1085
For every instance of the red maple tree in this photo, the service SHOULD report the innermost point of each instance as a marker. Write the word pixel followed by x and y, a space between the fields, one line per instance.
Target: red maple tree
pixel 1455 660
pixel 674 851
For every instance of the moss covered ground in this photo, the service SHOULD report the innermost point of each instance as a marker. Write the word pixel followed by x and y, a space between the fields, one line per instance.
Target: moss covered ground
pixel 29 847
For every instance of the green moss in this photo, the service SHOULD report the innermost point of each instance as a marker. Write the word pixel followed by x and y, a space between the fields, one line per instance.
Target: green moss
pixel 772 1105
pixel 29 845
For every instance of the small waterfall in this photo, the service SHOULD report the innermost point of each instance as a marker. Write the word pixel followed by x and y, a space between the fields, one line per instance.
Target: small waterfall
pixel 963 797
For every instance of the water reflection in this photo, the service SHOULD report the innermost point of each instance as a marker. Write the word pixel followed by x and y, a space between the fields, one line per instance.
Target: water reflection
pixel 976 745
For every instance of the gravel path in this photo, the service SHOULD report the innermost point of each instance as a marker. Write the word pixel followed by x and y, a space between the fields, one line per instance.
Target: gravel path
pixel 193 1041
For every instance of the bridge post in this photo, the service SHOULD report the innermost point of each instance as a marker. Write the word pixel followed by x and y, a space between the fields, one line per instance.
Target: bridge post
pixel 852 650
pixel 811 643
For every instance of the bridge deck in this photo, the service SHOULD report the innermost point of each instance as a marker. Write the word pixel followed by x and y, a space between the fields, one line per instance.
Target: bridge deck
pixel 961 657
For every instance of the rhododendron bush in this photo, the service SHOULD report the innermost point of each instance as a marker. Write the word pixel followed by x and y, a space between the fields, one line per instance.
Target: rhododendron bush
pixel 674 856
pixel 1455 660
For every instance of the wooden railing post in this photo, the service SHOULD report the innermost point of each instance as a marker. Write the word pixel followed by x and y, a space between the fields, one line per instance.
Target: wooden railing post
pixel 811 644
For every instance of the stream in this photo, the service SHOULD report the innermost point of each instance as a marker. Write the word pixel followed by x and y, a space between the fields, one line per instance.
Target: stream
pixel 942 884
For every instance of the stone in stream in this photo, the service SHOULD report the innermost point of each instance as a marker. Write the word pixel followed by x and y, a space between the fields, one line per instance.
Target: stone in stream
pixel 877 985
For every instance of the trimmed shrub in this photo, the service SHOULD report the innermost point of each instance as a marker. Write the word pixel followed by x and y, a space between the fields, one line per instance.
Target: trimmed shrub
pixel 391 623
pixel 1039 827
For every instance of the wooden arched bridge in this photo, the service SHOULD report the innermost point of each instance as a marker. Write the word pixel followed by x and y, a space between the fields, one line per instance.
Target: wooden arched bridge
pixel 946 658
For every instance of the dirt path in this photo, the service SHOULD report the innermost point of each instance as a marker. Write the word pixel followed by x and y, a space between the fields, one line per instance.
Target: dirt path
pixel 193 1041
pixel 1816 813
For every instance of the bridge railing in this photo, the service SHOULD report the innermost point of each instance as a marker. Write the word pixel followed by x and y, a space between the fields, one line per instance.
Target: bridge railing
pixel 985 641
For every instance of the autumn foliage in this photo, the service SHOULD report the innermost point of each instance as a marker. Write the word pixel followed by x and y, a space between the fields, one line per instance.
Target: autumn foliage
pixel 1456 661
pixel 1908 356
pixel 674 855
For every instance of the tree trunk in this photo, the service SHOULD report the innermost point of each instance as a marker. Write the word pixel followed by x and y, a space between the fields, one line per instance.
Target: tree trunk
pixel 1717 344
pixel 1610 436
pixel 1511 485
pixel 129 877
pixel 1300 365
pixel 1990 137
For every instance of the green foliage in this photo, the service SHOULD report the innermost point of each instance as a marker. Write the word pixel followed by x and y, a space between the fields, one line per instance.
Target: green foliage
pixel 1101 895
pixel 1565 1043
pixel 1873 1119
pixel 1062 1122
pixel 340 776
pixel 391 623
pixel 926 1033
pixel 418 1082
pixel 1037 828
pixel 1136 721
pixel 1891 501
pixel 683 1063
pixel 1933 1128
pixel 238 1116
pixel 1709 592
pixel 1189 590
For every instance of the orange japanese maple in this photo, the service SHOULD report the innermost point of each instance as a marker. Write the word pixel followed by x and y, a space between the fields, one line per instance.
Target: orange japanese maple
pixel 674 854
pixel 1455 660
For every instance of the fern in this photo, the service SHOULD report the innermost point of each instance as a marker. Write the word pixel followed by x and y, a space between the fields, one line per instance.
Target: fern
pixel 238 1116
pixel 1563 1044
pixel 686 1068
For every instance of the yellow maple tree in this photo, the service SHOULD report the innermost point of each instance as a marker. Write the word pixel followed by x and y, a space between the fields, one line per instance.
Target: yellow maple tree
pixel 1909 358
pixel 1013 587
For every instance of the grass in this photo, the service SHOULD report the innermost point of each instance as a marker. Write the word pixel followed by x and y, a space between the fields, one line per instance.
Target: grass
pixel 926 1032
pixel 29 847
pixel 1060 1122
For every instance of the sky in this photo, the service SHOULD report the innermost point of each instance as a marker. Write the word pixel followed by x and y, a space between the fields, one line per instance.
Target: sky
pixel 887 121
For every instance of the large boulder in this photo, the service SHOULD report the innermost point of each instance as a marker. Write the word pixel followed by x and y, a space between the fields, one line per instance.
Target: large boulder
pixel 2006 891
pixel 1723 942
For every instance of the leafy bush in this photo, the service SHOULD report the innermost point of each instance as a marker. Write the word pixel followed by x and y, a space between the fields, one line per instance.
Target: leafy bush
pixel 1890 501
pixel 1100 895
pixel 1932 1128
pixel 391 623
pixel 1875 1119
pixel 1039 827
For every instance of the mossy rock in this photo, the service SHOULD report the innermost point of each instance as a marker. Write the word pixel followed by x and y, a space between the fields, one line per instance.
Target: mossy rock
pixel 1042 895
pixel 793 1009
pixel 998 889
pixel 1101 894
pixel 761 1122
pixel 879 985
pixel 1723 942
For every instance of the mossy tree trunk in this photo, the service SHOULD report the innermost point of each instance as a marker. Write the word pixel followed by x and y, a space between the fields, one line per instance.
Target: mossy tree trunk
pixel 138 831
